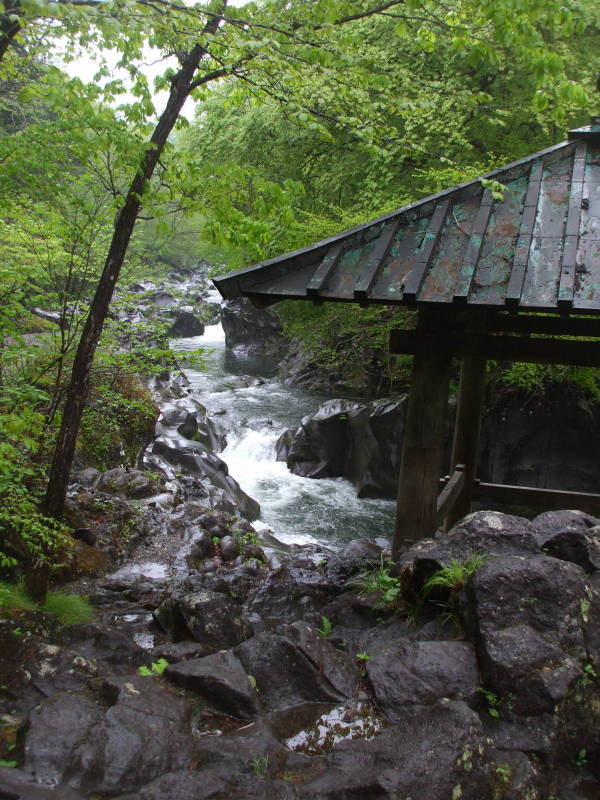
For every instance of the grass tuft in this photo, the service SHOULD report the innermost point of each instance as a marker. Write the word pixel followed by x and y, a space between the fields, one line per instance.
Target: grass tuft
pixel 68 608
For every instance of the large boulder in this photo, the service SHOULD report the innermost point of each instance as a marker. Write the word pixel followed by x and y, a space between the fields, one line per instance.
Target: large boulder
pixel 103 744
pixel 550 440
pixel 436 752
pixel 361 442
pixel 294 669
pixel 186 324
pixel 221 680
pixel 249 330
pixel 423 673
pixel 198 461
pixel 210 618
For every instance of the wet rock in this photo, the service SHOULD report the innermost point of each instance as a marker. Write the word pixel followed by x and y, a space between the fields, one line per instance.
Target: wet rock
pixel 161 299
pixel 128 483
pixel 484 533
pixel 229 548
pixel 221 680
pixel 562 424
pixel 174 652
pixel 186 324
pixel 117 522
pixel 336 666
pixel 360 442
pixel 197 460
pixel 97 642
pixel 423 673
pixel 86 477
pixel 291 593
pixel 534 671
pixel 427 754
pixel 190 419
pixel 202 548
pixel 251 330
pixel 213 619
pixel 543 593
pixel 75 740
pixel 18 785
pixel 286 676
pixel 185 785
pixel 571 536
pixel 250 756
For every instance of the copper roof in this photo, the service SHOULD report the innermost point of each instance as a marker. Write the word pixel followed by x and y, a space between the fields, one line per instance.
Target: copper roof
pixel 536 249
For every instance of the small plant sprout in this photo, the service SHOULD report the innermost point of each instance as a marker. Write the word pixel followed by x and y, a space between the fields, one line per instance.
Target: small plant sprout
pixel 380 581
pixel 362 657
pixel 455 575
pixel 326 627
pixel 590 671
pixel 260 766
pixel 581 758
pixel 492 700
pixel 156 668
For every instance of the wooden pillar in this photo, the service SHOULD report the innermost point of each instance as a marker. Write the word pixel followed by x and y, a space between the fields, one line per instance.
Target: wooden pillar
pixel 466 432
pixel 423 448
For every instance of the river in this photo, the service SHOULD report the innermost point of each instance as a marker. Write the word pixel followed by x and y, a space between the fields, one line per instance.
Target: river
pixel 296 509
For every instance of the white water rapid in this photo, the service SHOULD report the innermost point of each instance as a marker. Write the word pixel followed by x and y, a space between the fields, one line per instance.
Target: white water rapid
pixel 254 413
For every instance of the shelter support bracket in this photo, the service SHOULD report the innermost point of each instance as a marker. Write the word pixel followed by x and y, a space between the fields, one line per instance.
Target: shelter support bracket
pixel 438 337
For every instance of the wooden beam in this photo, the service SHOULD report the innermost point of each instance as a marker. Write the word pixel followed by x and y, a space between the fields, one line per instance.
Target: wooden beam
pixel 416 276
pixel 506 348
pixel 422 452
pixel 550 326
pixel 548 499
pixel 473 251
pixel 465 446
pixel 519 267
pixel 369 271
pixel 449 494
pixel 566 286
pixel 324 270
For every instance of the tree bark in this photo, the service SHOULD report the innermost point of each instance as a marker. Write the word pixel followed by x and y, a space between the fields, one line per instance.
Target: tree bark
pixel 183 83
pixel 8 28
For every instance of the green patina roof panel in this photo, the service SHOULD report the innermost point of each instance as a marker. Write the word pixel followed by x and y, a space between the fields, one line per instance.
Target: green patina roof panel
pixel 537 248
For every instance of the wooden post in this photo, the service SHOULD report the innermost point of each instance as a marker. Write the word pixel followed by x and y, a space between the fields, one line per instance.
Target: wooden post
pixel 423 449
pixel 466 432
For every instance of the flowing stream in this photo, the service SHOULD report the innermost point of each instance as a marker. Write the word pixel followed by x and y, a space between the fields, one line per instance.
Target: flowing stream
pixel 254 413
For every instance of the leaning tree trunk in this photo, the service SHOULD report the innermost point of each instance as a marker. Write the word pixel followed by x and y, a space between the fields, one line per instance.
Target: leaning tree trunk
pixel 64 452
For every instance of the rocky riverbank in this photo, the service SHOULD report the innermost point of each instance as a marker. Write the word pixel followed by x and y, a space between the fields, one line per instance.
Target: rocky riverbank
pixel 320 675
pixel 223 663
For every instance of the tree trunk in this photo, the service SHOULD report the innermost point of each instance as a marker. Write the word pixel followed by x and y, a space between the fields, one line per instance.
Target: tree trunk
pixel 64 452
pixel 8 28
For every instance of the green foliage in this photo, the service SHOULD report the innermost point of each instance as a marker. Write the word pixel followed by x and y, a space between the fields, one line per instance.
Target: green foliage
pixel 581 758
pixel 68 608
pixel 9 764
pixel 454 577
pixel 156 668
pixel 27 535
pixel 379 581
pixel 119 417
pixel 446 583
pixel 260 766
pixel 347 340
pixel 326 627
pixel 536 378
pixel 492 701
pixel 362 657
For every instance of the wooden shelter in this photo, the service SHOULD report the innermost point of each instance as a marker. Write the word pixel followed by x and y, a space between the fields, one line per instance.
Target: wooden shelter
pixel 514 278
